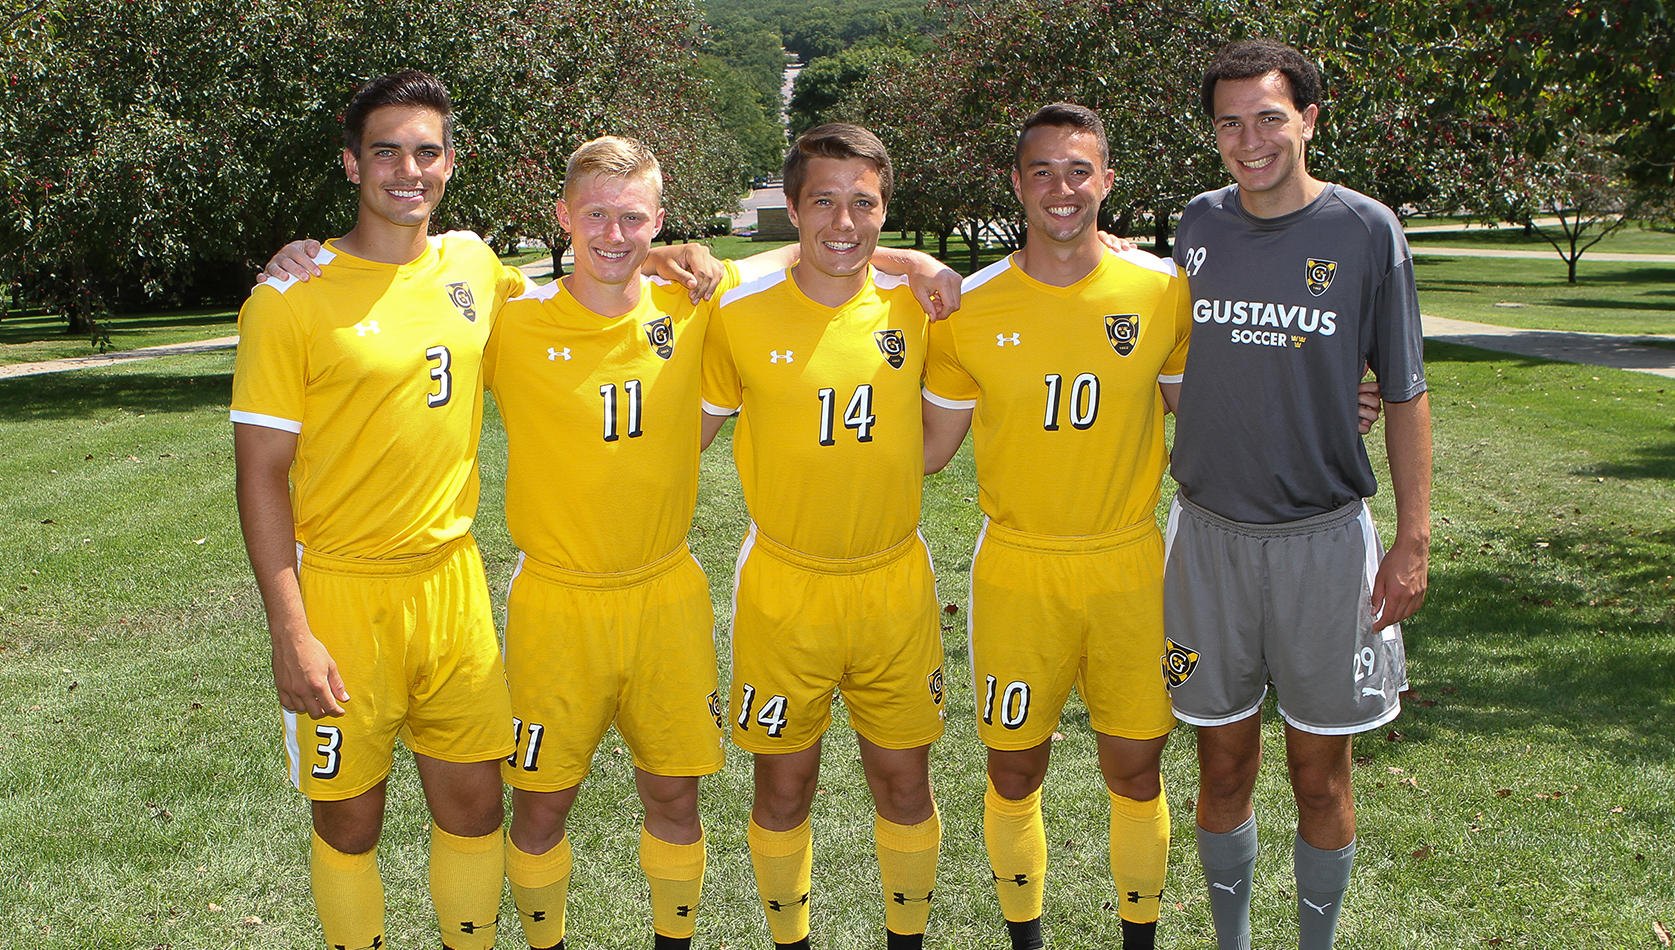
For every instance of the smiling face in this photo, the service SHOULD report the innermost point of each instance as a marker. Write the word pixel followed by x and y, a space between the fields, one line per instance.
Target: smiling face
pixel 1061 180
pixel 611 220
pixel 402 168
pixel 1261 135
pixel 838 216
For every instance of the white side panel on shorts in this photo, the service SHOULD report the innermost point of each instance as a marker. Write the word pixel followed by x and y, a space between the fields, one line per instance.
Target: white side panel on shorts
pixel 293 751
pixel 733 611
pixel 970 611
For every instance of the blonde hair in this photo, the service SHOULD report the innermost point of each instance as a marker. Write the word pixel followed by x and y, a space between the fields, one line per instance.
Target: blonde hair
pixel 614 157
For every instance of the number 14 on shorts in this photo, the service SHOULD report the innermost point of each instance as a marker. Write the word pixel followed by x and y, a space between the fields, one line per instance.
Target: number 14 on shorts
pixel 771 716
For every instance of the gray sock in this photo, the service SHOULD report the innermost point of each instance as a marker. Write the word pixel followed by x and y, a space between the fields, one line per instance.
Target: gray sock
pixel 1229 861
pixel 1322 877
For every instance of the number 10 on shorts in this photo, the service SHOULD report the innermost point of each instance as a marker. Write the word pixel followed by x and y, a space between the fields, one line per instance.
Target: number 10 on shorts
pixel 1014 703
pixel 771 716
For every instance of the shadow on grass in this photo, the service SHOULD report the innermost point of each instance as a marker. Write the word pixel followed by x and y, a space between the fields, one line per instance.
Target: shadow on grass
pixel 1653 461
pixel 1604 304
pixel 37 328
pixel 1527 642
pixel 76 395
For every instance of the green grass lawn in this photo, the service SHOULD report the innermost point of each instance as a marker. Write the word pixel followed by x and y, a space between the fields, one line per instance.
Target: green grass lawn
pixel 1630 240
pixel 1608 297
pixel 1523 799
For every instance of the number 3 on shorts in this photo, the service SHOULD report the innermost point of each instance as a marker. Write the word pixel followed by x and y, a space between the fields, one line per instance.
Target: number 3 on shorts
pixel 333 737
pixel 772 715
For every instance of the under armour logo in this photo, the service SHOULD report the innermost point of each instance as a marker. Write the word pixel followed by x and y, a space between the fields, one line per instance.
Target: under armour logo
pixel 775 356
pixel 684 910
pixel 537 916
pixel 1002 339
pixel 1229 888
pixel 469 927
pixel 787 905
pixel 1135 897
pixel 553 354
pixel 903 899
pixel 1018 879
pixel 376 943
pixel 1318 908
pixel 367 326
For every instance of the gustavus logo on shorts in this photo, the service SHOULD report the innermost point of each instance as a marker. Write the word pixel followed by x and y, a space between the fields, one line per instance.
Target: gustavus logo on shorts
pixel 1178 663
pixel 660 333
pixel 934 681
pixel 715 709
pixel 893 345
pixel 1122 329
pixel 460 294
pixel 1320 275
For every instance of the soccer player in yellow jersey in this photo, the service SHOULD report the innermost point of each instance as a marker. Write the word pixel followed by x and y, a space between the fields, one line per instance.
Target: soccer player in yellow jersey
pixel 596 377
pixel 1064 360
pixel 834 588
pixel 357 400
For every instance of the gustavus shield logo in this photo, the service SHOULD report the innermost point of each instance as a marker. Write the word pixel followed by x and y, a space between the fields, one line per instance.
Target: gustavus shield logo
pixel 934 682
pixel 716 712
pixel 660 333
pixel 893 345
pixel 460 294
pixel 1320 275
pixel 1178 663
pixel 1123 330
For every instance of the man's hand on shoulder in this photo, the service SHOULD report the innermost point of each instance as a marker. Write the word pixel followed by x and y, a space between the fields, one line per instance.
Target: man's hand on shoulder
pixel 1121 245
pixel 295 259
pixel 934 284
pixel 690 265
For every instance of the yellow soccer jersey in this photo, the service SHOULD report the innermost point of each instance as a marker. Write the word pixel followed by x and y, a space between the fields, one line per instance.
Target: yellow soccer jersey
pixel 378 369
pixel 829 444
pixel 602 424
pixel 1068 428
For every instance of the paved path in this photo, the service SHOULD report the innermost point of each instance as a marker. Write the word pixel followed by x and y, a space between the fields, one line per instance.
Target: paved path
pixel 111 359
pixel 1594 349
pixel 1420 250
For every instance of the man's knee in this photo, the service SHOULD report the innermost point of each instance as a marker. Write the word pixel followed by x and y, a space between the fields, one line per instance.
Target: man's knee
pixel 538 818
pixel 351 826
pixel 1017 774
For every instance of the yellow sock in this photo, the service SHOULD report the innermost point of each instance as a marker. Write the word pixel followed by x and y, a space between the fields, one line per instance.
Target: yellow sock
pixel 540 883
pixel 1139 855
pixel 676 875
pixel 907 865
pixel 348 895
pixel 1017 841
pixel 784 865
pixel 465 876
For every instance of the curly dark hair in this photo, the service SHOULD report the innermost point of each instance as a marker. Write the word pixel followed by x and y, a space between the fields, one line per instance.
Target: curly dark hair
pixel 1247 59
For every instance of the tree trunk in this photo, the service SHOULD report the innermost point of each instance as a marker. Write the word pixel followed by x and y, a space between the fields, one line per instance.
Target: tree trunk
pixel 942 245
pixel 971 242
pixel 1161 248
pixel 1125 222
pixel 919 240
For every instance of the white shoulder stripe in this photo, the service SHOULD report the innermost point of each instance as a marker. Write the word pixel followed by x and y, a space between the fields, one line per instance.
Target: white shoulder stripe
pixel 326 256
pixel 986 274
pixel 267 422
pixel 885 281
pixel 946 403
pixel 534 291
pixel 756 286
pixel 1170 379
pixel 1163 265
pixel 712 409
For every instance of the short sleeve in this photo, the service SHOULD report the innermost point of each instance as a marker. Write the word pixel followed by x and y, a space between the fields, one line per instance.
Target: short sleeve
pixel 947 384
pixel 722 391
pixel 1398 353
pixel 270 370
pixel 1179 307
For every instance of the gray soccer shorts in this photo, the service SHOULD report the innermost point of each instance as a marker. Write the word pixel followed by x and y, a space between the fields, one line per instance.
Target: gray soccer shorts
pixel 1247 603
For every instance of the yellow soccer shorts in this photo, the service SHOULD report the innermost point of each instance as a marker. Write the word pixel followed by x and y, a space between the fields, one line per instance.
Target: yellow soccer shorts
pixel 1049 612
pixel 804 626
pixel 586 650
pixel 414 641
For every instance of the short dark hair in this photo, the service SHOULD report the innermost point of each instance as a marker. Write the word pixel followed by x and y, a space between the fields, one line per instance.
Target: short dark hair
pixel 1248 59
pixel 1067 115
pixel 407 88
pixel 836 140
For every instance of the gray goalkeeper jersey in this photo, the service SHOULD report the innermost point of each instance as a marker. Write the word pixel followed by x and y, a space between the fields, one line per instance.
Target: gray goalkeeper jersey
pixel 1286 310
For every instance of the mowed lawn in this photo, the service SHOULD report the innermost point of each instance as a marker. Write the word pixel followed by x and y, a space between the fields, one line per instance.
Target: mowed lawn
pixel 1522 799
